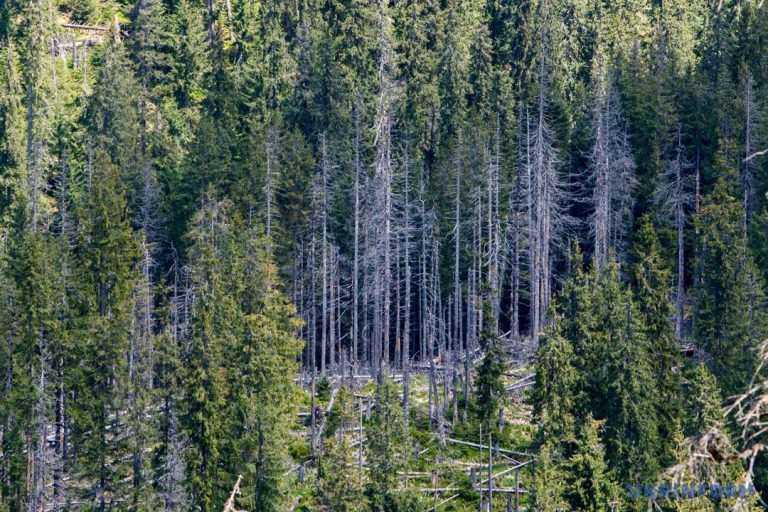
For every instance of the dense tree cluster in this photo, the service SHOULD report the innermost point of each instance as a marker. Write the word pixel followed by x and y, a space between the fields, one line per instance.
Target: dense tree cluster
pixel 201 200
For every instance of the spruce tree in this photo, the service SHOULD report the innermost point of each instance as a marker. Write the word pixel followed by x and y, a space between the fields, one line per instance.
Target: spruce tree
pixel 729 315
pixel 339 486
pixel 554 395
pixel 651 276
pixel 489 382
pixel 239 398
pixel 590 484
pixel 388 447
pixel 188 63
pixel 213 331
pixel 107 253
pixel 704 403
pixel 548 486
pixel 35 342
pixel 147 44
pixel 112 114
pixel 12 155
pixel 614 378
pixel 264 393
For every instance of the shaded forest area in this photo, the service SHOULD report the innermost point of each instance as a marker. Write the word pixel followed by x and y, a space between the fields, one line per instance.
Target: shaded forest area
pixel 526 234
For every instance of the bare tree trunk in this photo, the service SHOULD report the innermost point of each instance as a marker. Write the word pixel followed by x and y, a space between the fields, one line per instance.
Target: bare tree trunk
pixel 58 468
pixel 324 218
pixel 674 195
pixel 493 226
pixel 38 472
pixel 515 227
pixel 398 310
pixel 269 179
pixel 751 127
pixel 611 171
pixel 313 304
pixel 356 249
pixel 423 270
pixel 533 233
pixel 457 248
pixel 332 313
pixel 383 166
pixel 407 314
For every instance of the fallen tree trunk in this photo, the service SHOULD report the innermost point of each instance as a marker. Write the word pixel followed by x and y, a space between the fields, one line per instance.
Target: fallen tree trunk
pixel 485 447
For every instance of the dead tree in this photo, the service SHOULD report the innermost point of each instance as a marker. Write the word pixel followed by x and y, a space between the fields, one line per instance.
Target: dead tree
pixel 323 209
pixel 675 196
pixel 423 258
pixel 752 119
pixel 610 173
pixel 356 249
pixel 229 506
pixel 407 230
pixel 40 90
pixel 515 245
pixel 545 216
pixel 544 197
pixel 270 176
pixel 38 456
pixel 457 298
pixel 383 190
pixel 493 242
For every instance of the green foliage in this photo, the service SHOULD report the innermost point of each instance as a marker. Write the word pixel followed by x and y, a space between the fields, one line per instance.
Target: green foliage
pixel 84 11
pixel 340 485
pixel 554 396
pixel 388 448
pixel 106 280
pixel 730 304
pixel 590 487
pixel 12 155
pixel 323 389
pixel 489 382
pixel 147 42
pixel 35 340
pixel 239 395
pixel 652 277
pixel 703 402
pixel 548 487
pixel 601 361
pixel 147 344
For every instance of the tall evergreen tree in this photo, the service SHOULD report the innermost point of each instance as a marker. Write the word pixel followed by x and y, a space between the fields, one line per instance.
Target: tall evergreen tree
pixel 729 316
pixel 36 340
pixel 238 396
pixel 339 485
pixel 548 487
pixel 12 153
pixel 489 382
pixel 388 447
pixel 555 392
pixel 106 257
pixel 651 277
pixel 590 485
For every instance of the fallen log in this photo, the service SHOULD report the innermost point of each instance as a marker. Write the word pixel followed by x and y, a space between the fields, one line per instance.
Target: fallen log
pixel 485 447
pixel 506 471
pixel 92 28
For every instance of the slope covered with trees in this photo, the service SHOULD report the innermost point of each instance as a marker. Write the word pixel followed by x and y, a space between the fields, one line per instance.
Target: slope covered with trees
pixel 213 213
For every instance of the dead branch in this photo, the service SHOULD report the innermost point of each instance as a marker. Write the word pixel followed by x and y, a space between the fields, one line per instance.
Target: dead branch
pixel 755 155
pixel 230 505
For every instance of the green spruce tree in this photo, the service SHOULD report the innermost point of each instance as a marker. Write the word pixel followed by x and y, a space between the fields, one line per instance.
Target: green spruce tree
pixel 590 485
pixel 339 485
pixel 729 314
pixel 107 254
pixel 388 448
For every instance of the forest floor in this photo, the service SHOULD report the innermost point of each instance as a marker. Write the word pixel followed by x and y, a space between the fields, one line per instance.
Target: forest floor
pixel 444 459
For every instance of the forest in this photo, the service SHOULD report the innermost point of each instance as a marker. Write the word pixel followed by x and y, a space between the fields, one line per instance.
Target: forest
pixel 383 255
